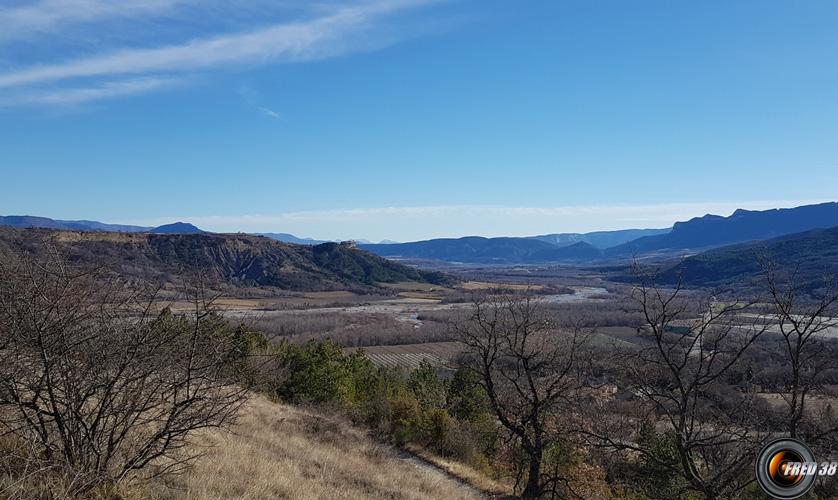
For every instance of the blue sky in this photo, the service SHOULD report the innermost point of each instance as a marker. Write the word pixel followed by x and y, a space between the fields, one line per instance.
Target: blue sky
pixel 407 119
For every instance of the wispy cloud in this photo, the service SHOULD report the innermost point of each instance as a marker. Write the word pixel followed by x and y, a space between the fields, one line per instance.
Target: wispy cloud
pixel 105 90
pixel 51 15
pixel 268 112
pixel 414 223
pixel 322 36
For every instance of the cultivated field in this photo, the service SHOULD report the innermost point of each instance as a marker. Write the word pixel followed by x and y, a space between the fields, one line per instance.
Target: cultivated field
pixel 438 354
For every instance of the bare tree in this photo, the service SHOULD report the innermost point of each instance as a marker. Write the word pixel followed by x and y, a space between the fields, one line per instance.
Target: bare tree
pixel 703 432
pixel 530 370
pixel 102 381
pixel 800 319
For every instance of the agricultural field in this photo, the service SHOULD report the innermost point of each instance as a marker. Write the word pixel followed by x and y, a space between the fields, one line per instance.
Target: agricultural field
pixel 409 356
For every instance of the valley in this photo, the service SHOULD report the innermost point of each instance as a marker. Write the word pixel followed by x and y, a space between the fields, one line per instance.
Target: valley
pixel 418 250
pixel 380 353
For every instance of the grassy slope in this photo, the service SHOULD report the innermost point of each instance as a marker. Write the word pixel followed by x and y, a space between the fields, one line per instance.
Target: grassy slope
pixel 279 451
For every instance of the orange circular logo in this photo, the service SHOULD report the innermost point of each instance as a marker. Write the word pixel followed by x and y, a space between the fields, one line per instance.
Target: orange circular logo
pixel 786 469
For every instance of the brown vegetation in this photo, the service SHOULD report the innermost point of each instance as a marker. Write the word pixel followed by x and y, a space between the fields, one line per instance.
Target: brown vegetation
pixel 97 384
pixel 280 451
pixel 351 329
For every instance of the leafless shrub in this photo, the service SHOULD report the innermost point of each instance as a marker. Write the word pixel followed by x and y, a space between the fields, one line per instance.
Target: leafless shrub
pixel 356 329
pixel 439 316
pixel 800 321
pixel 97 382
pixel 290 325
pixel 601 313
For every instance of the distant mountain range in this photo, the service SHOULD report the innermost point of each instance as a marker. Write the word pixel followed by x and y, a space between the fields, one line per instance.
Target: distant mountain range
pixel 23 221
pixel 29 221
pixel 476 249
pixel 684 238
pixel 224 259
pixel 290 238
pixel 690 237
pixel 743 225
pixel 599 239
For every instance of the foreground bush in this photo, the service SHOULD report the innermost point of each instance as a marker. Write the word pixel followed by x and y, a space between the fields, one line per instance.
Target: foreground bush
pixel 421 408
pixel 98 383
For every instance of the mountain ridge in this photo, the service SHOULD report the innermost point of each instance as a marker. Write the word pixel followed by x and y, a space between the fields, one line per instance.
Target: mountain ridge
pixel 228 259
pixel 685 237
pixel 33 221
pixel 477 249
pixel 26 221
pixel 691 236
pixel 813 254
pixel 741 226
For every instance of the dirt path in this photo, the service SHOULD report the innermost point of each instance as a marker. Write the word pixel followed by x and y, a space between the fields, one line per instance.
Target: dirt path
pixel 440 475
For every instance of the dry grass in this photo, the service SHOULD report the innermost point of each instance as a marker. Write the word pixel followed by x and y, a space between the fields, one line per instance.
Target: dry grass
pixel 280 451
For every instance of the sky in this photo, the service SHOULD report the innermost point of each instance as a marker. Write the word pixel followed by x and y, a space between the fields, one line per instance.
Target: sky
pixel 411 119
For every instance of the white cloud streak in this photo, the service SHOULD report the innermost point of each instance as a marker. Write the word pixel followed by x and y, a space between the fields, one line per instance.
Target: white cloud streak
pixel 282 42
pixel 48 16
pixel 268 112
pixel 414 223
pixel 76 96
